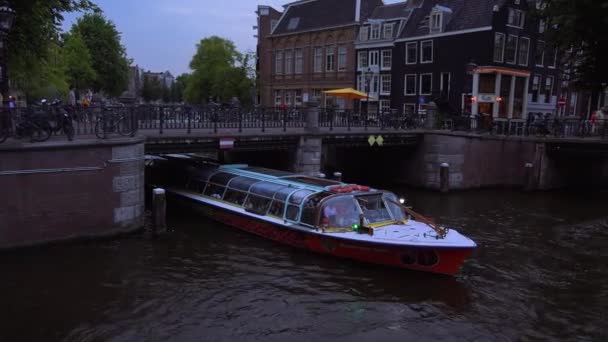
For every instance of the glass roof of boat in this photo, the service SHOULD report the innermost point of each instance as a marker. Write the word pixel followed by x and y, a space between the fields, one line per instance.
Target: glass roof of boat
pixel 269 172
pixel 311 180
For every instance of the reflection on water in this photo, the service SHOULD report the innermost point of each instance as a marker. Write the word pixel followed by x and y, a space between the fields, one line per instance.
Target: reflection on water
pixel 539 273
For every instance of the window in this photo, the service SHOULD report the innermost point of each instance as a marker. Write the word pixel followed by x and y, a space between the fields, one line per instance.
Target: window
pixel 364 33
pixel 299 59
pixel 342 58
pixel 444 84
pixel 278 63
pixel 548 88
pixel 297 97
pixel 516 18
pixel 330 59
pixel 288 97
pixel 410 84
pixel 551 58
pixel 375 84
pixel 388 31
pixel 293 23
pixel 385 106
pixel 487 83
pixel 411 53
pixel 409 108
pixel 273 24
pixel 375 33
pixel 288 62
pixel 541 26
pixel 316 95
pixel 373 58
pixel 363 59
pixel 540 53
pixel 524 48
pixel 318 60
pixel 387 59
pixel 278 98
pixel 385 84
pixel 426 48
pixel 499 47
pixel 511 51
pixel 535 88
pixel 426 84
pixel 436 19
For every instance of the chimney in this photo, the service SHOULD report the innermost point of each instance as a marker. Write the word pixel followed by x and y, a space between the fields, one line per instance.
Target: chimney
pixel 358 11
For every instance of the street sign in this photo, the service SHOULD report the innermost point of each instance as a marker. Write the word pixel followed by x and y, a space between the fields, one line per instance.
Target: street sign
pixel 371 140
pixel 380 140
pixel 226 143
pixel 561 102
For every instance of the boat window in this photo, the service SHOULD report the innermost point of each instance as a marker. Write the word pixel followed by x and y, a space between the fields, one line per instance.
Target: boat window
pixel 396 210
pixel 222 178
pixel 298 196
pixel 235 196
pixel 277 208
pixel 242 183
pixel 284 193
pixel 309 211
pixel 373 208
pixel 205 173
pixel 293 211
pixel 266 189
pixel 257 204
pixel 214 190
pixel 339 212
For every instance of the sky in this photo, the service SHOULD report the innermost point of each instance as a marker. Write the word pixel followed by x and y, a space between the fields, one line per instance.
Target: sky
pixel 162 35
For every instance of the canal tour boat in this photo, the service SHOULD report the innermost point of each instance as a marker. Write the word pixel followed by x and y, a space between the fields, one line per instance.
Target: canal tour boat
pixel 320 215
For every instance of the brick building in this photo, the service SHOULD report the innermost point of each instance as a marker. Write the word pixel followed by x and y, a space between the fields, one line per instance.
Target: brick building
pixel 308 48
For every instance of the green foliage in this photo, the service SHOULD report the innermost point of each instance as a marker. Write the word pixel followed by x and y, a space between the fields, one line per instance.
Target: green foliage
pixel 29 55
pixel 178 88
pixel 109 58
pixel 78 62
pixel 220 72
pixel 583 26
pixel 151 89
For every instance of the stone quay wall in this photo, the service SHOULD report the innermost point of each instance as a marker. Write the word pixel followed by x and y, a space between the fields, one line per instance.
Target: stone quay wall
pixel 70 190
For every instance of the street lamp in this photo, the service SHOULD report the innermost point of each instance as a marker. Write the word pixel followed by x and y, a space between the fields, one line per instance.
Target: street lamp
pixel 368 77
pixel 7 16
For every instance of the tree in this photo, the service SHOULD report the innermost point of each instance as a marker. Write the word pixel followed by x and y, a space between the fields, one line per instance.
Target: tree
pixel 37 23
pixel 219 71
pixel 178 87
pixel 78 62
pixel 109 58
pixel 151 90
pixel 582 26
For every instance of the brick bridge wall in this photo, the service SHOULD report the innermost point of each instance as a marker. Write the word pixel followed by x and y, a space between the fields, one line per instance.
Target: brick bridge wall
pixel 59 191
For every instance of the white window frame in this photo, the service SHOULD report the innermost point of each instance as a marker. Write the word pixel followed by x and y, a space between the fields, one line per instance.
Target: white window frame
pixel 385 28
pixel 384 104
pixel 536 86
pixel 527 52
pixel 360 56
pixel 441 82
pixel 515 56
pixel 371 59
pixel 389 58
pixel 374 33
pixel 330 58
pixel 288 62
pixel 422 61
pixel 431 89
pixel 278 62
pixel 364 33
pixel 411 105
pixel 299 60
pixel 342 57
pixel 554 65
pixel 436 28
pixel 407 54
pixel 297 97
pixel 317 64
pixel 504 43
pixel 548 98
pixel 511 15
pixel 405 84
pixel 542 59
pixel 278 94
pixel 383 78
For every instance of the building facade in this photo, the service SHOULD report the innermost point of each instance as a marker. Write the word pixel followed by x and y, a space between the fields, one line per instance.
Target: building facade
pixel 307 49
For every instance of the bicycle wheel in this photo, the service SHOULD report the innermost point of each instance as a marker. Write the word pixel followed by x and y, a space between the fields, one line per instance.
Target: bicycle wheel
pixel 69 131
pixel 99 129
pixel 3 134
pixel 125 127
pixel 40 132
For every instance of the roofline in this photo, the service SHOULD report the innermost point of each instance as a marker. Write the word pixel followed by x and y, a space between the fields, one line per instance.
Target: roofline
pixel 445 34
pixel 374 45
pixel 287 8
pixel 313 30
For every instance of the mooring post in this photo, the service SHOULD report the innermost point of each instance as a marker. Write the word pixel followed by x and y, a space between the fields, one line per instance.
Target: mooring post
pixel 529 177
pixel 321 175
pixel 159 208
pixel 338 176
pixel 444 177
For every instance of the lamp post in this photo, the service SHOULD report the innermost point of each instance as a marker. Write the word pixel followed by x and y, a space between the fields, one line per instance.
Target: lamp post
pixel 368 77
pixel 7 16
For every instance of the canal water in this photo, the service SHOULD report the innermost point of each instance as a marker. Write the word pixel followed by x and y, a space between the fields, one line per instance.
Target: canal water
pixel 540 273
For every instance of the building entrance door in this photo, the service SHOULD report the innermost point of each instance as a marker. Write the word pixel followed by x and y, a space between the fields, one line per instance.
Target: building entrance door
pixel 485 114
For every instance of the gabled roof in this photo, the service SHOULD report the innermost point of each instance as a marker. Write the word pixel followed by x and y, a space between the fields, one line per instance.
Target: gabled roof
pixel 464 15
pixel 309 15
pixel 398 10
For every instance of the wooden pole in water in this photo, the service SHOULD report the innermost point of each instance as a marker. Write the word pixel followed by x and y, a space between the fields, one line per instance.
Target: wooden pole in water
pixel 444 177
pixel 529 177
pixel 338 176
pixel 159 208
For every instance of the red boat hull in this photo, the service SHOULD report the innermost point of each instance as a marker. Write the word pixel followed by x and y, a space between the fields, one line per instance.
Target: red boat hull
pixel 427 259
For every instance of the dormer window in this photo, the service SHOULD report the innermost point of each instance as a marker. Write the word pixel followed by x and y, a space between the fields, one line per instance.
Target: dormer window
pixel 293 23
pixel 516 18
pixel 375 33
pixel 273 24
pixel 388 31
pixel 439 16
pixel 364 33
pixel 436 19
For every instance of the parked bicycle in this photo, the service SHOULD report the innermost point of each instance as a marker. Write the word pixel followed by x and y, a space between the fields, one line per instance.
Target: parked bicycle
pixel 110 122
pixel 60 120
pixel 29 125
